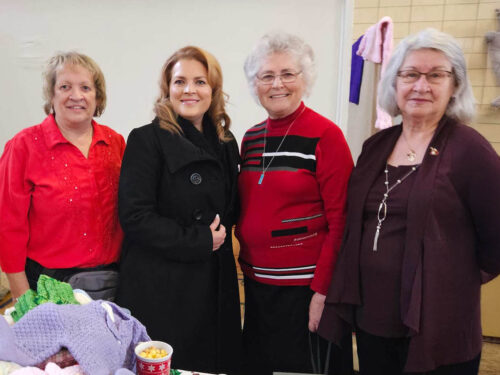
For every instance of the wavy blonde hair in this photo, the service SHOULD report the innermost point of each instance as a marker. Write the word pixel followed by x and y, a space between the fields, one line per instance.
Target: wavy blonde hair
pixel 217 112
pixel 57 62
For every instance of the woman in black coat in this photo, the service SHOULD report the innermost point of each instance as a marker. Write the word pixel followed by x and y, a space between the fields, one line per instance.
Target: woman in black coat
pixel 177 199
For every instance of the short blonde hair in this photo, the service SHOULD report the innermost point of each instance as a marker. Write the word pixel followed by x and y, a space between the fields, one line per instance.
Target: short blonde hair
pixel 61 59
pixel 217 112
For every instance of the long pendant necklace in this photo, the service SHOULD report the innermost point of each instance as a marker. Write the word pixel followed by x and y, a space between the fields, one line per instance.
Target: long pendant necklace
pixel 382 208
pixel 264 169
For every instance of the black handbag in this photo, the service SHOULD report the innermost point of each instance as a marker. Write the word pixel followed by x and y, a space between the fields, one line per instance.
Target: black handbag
pixel 100 284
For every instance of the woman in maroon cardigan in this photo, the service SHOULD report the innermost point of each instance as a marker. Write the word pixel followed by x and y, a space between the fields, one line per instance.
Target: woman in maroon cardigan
pixel 422 223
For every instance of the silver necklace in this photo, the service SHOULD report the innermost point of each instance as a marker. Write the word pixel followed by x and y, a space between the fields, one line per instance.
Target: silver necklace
pixel 264 169
pixel 382 208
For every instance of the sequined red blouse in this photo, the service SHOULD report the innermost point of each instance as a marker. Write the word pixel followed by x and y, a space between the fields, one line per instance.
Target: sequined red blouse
pixel 56 206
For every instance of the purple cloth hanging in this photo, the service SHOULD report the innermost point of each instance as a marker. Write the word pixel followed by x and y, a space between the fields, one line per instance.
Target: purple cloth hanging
pixel 357 64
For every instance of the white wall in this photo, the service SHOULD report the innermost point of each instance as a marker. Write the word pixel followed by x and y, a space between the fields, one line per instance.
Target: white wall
pixel 131 39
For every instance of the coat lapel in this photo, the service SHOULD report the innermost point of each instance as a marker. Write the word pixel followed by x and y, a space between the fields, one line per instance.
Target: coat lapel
pixel 369 166
pixel 180 150
pixel 419 207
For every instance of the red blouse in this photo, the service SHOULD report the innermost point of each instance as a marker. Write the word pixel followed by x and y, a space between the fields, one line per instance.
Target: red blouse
pixel 56 206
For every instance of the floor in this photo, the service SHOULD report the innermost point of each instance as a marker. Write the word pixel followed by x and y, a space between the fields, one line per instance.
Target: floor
pixel 490 357
pixel 490 360
pixel 5 302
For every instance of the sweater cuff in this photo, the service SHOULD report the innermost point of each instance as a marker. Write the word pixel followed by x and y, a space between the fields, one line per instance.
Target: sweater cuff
pixel 319 285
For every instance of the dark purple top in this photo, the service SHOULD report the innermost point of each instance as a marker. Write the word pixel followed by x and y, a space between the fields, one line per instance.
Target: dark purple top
pixel 380 312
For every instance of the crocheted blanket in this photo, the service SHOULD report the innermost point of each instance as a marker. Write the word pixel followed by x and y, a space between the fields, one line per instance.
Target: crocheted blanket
pixel 100 344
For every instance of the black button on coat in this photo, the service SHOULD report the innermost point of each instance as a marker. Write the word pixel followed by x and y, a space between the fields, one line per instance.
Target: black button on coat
pixel 171 188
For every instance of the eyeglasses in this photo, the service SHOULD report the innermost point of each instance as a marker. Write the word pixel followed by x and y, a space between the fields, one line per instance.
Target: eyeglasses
pixel 434 76
pixel 288 77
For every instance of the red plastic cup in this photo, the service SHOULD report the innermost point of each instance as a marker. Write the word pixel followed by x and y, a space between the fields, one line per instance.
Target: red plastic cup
pixel 153 366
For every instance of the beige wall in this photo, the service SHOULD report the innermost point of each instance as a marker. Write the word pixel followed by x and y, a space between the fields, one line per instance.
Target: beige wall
pixel 467 20
pixel 131 39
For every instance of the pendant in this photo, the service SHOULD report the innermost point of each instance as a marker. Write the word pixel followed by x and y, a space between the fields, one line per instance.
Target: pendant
pixel 411 155
pixel 261 178
pixel 375 240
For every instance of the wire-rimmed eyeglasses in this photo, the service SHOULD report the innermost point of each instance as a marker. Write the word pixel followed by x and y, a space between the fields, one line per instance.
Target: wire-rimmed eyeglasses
pixel 287 77
pixel 434 76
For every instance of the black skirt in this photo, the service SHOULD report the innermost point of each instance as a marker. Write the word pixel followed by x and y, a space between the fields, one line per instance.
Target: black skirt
pixel 276 335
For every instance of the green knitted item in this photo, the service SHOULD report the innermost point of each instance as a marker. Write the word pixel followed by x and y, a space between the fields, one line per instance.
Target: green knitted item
pixel 24 303
pixel 52 290
pixel 49 290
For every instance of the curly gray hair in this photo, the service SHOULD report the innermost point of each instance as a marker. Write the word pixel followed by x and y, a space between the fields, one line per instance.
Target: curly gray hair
pixel 281 42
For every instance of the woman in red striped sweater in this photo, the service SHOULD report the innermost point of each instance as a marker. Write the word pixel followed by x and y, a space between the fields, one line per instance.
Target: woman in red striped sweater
pixel 293 181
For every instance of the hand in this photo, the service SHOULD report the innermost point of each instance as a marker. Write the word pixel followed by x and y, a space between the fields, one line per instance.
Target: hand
pixel 218 235
pixel 315 310
pixel 18 283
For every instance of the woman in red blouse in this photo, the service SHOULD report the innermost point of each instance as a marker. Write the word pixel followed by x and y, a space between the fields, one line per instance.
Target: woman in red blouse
pixel 59 181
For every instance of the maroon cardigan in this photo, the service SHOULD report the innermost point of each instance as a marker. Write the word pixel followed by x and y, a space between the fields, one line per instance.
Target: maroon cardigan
pixel 453 233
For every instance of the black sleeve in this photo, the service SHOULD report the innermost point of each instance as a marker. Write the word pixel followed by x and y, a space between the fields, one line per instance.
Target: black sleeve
pixel 141 171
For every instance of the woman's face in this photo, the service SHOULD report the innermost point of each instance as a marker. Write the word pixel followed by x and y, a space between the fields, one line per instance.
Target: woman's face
pixel 424 100
pixel 74 100
pixel 278 98
pixel 189 91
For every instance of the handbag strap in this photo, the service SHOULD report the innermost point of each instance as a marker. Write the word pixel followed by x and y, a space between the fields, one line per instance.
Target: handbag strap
pixel 315 354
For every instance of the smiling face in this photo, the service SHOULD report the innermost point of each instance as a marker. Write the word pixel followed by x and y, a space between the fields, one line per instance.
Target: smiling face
pixel 189 91
pixel 421 100
pixel 74 100
pixel 280 99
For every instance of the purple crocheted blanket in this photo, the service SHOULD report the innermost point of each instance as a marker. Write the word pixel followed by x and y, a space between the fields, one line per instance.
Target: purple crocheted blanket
pixel 98 344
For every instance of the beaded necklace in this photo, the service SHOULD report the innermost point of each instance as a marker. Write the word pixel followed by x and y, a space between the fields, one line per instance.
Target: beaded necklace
pixel 382 208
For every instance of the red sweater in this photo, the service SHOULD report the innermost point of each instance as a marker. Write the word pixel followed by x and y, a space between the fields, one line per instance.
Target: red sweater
pixel 291 224
pixel 56 206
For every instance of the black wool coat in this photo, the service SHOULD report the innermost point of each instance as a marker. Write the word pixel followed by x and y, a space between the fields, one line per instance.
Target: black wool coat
pixel 171 188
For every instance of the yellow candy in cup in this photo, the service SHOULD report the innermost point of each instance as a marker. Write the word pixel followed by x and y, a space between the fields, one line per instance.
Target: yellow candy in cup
pixel 153 353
